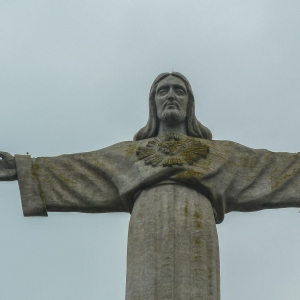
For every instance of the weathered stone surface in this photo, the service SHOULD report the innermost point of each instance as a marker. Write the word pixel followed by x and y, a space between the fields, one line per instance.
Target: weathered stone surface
pixel 171 255
pixel 176 182
pixel 233 178
pixel 172 245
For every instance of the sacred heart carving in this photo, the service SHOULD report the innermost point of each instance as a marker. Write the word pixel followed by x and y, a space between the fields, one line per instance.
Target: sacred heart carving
pixel 172 149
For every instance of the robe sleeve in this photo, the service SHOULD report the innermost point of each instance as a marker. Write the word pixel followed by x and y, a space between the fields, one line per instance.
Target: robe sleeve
pixel 238 178
pixel 70 183
pixel 232 176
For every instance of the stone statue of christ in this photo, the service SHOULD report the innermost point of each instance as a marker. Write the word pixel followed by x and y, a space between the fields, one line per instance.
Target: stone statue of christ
pixel 177 184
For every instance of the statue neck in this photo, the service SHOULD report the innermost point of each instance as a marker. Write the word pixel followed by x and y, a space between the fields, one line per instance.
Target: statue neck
pixel 166 127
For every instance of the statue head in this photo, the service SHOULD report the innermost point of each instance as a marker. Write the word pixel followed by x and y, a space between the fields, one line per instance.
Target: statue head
pixel 156 114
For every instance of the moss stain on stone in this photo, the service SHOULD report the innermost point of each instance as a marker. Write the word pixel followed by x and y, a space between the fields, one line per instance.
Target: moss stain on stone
pixel 185 209
pixel 281 180
pixel 130 150
pixel 197 220
pixel 34 174
pixel 192 173
pixel 203 164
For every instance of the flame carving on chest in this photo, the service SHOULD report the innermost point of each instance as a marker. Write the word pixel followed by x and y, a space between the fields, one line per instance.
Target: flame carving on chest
pixel 172 149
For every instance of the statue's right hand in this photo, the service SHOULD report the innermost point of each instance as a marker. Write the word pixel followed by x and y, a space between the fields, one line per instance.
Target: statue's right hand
pixel 8 169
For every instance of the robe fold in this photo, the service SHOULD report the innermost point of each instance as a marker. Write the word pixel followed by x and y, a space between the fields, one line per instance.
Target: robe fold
pixel 172 243
pixel 173 248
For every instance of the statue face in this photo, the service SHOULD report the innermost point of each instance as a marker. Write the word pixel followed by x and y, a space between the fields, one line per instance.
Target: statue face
pixel 171 99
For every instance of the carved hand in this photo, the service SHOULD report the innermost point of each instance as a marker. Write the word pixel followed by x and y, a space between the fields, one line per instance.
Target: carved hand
pixel 8 170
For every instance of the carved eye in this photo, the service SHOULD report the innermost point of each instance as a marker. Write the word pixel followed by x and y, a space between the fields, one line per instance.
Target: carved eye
pixel 180 92
pixel 162 92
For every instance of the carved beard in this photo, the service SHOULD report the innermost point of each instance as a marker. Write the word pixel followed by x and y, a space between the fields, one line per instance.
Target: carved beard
pixel 172 116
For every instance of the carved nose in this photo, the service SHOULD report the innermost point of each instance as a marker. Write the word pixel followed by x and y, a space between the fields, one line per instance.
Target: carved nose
pixel 171 96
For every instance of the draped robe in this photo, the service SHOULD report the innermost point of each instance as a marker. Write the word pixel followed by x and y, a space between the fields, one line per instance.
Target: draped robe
pixel 172 241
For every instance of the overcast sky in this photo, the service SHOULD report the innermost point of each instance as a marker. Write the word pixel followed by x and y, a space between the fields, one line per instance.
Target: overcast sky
pixel 75 76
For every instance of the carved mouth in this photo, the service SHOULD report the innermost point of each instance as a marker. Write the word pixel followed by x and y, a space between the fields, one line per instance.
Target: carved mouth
pixel 171 105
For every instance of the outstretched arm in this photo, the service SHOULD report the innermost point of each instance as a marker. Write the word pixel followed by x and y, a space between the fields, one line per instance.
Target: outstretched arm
pixel 255 179
pixel 8 170
pixel 265 180
pixel 83 182
pixel 238 178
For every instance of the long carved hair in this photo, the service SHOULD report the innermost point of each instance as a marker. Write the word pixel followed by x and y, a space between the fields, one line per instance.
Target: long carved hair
pixel 194 127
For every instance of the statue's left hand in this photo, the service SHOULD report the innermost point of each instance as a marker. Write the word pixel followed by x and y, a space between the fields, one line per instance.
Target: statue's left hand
pixel 8 169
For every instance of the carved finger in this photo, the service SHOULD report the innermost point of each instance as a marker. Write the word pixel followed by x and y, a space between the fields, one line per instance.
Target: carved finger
pixel 8 163
pixel 5 155
pixel 8 175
